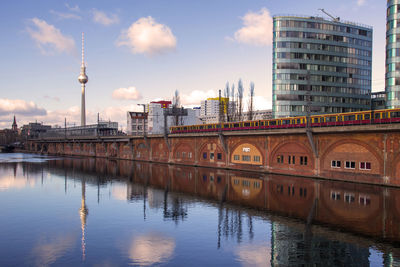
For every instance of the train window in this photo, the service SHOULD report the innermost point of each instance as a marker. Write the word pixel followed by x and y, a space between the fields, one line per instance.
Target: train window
pixel 226 125
pixel 350 118
pixel 201 127
pixel 367 116
pixel 261 124
pixel 395 115
pixel 285 122
pixel 331 119
pixel 384 115
pixel 256 124
pixel 184 128
pixel 236 125
pixel 377 115
pixel 298 121
pixel 272 123
pixel 209 126
pixel 218 126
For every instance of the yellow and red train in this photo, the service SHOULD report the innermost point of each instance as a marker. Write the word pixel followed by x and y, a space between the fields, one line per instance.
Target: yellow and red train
pixel 338 119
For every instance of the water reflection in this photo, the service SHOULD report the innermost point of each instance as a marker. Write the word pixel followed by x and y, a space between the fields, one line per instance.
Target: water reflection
pixel 261 220
pixel 152 248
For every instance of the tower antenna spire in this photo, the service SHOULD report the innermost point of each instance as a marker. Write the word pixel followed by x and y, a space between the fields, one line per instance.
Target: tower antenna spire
pixel 83 79
pixel 83 49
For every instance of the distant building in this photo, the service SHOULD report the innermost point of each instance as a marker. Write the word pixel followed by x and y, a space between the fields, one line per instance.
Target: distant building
pixel 259 114
pixel 34 129
pixel 101 128
pixel 324 63
pixel 136 123
pixel 14 126
pixel 378 100
pixel 153 120
pixel 211 111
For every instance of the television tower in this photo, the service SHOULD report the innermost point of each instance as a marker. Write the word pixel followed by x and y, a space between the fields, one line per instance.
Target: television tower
pixel 83 79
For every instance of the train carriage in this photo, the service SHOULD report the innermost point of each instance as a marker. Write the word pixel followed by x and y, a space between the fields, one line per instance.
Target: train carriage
pixel 326 120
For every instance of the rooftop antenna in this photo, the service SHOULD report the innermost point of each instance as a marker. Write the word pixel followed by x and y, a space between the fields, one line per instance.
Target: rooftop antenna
pixel 337 19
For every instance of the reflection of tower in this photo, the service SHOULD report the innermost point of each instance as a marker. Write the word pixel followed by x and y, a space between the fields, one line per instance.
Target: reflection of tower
pixel 83 79
pixel 83 212
pixel 14 125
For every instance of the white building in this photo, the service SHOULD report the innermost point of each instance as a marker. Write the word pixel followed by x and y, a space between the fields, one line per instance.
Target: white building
pixel 136 122
pixel 154 119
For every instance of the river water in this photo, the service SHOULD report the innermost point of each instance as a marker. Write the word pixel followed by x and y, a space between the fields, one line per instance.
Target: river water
pixel 96 212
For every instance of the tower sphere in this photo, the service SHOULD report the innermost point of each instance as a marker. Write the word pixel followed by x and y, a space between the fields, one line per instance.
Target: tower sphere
pixel 83 78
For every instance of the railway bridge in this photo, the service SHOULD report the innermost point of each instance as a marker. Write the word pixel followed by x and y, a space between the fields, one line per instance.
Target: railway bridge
pixel 363 153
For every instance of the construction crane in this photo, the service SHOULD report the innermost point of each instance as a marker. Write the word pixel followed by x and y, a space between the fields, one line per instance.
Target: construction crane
pixel 332 17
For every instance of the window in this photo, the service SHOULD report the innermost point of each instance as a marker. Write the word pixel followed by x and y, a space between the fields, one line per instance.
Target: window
pixel 335 195
pixel 246 183
pixel 183 155
pixel 280 159
pixel 211 155
pixel 349 198
pixel 336 164
pixel 350 165
pixel 190 155
pixel 293 159
pixel 303 192
pixel 246 158
pixel 219 156
pixel 303 160
pixel 236 157
pixel 236 181
pixel 257 159
pixel 364 200
pixel 256 184
pixel 365 165
pixel 204 155
pixel 291 190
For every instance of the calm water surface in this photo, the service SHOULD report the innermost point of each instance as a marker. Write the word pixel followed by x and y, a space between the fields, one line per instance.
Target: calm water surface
pixel 95 212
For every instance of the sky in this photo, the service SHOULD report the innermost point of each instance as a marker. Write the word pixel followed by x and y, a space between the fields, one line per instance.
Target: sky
pixel 140 51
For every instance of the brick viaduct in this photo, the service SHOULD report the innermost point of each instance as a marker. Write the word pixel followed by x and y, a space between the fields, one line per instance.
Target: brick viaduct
pixel 365 154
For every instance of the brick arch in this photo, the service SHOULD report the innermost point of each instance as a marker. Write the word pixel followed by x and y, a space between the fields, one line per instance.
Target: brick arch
pixel 363 145
pixel 395 167
pixel 204 148
pixel 183 151
pixel 240 145
pixel 301 148
pixel 160 151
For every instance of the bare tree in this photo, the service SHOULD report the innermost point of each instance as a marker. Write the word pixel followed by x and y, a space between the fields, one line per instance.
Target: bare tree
pixel 176 104
pixel 240 100
pixel 232 105
pixel 251 102
pixel 227 103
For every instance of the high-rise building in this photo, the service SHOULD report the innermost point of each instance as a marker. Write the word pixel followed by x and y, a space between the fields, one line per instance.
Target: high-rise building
pixel 321 64
pixel 392 82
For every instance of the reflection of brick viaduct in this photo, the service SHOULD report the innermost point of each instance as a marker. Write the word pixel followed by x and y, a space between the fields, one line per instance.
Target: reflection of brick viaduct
pixel 364 209
pixel 278 151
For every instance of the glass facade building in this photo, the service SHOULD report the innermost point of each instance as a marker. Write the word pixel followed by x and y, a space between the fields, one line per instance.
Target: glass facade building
pixel 319 63
pixel 392 83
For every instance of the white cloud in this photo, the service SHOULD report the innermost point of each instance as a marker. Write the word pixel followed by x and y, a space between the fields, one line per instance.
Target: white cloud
pixel 61 15
pixel 361 2
pixel 73 8
pixel 102 18
pixel 130 93
pixel 49 38
pixel 146 36
pixel 20 107
pixel 195 97
pixel 256 30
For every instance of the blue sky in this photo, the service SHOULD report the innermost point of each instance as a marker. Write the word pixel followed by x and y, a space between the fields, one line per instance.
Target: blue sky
pixel 138 51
